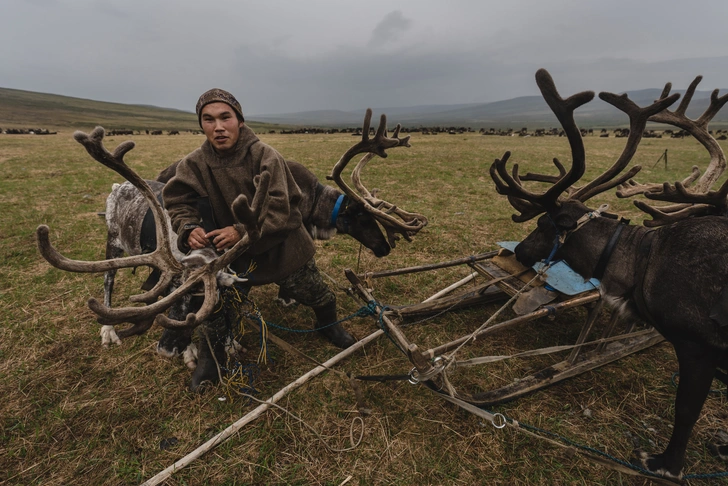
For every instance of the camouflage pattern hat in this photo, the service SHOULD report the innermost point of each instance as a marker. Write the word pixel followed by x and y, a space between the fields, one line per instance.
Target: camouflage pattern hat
pixel 216 95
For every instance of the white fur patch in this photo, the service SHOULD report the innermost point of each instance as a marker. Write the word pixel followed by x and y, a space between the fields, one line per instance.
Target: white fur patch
pixel 644 457
pixel 190 356
pixel 321 233
pixel 108 336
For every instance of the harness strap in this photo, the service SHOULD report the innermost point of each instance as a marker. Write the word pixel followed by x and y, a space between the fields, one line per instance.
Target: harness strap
pixel 609 249
pixel 644 251
pixel 337 207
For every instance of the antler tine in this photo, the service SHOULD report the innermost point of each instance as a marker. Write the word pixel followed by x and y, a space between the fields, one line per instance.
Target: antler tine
pixel 679 194
pixel 532 176
pixel 699 130
pixel 252 217
pixel 509 185
pixel 637 122
pixel 564 111
pixel 662 217
pixel 631 188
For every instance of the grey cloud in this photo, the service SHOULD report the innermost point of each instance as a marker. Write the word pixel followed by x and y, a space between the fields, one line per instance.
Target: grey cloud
pixel 316 55
pixel 389 29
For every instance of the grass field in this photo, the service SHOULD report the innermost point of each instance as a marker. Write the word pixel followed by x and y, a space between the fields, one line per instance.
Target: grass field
pixel 76 413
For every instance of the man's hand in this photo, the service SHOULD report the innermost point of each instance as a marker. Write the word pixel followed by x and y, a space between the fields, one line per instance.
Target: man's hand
pixel 197 239
pixel 223 238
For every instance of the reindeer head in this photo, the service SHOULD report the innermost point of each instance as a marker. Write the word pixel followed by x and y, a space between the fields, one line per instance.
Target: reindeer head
pixel 384 212
pixel 360 224
pixel 564 204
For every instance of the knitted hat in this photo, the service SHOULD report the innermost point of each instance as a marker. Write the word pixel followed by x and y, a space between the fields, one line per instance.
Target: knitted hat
pixel 216 95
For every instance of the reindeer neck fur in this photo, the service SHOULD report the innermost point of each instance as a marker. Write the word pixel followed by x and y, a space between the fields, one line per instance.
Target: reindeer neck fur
pixel 318 221
pixel 584 247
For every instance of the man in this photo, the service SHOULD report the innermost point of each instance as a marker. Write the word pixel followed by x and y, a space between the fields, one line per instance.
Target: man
pixel 229 163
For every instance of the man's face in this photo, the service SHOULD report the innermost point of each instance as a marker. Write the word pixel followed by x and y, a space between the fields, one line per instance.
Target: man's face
pixel 221 126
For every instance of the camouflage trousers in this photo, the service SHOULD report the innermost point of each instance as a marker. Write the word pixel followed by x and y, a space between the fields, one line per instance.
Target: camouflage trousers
pixel 307 286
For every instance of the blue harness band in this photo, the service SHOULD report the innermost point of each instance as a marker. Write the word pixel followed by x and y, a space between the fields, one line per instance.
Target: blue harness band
pixel 335 213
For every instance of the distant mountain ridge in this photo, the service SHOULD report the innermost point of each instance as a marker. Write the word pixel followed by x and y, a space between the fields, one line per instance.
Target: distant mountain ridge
pixel 26 109
pixel 524 111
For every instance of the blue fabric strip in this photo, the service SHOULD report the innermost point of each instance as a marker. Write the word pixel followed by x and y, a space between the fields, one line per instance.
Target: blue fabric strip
pixel 337 207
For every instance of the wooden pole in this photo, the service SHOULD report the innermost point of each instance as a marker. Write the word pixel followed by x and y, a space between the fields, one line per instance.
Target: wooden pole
pixel 257 412
pixel 449 289
pixel 431 266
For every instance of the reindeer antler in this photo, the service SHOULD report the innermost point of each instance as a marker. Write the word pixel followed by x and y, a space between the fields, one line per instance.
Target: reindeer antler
pixel 251 216
pixel 161 258
pixel 410 223
pixel 638 117
pixel 531 204
pixel 700 200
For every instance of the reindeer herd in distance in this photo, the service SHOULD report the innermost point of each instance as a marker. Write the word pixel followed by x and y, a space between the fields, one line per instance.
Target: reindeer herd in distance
pixel 720 134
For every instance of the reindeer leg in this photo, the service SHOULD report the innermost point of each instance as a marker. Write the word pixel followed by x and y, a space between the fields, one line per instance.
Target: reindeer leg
pixel 211 354
pixel 697 366
pixel 175 342
pixel 108 334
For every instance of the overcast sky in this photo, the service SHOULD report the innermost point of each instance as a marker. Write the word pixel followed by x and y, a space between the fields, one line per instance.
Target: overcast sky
pixel 289 56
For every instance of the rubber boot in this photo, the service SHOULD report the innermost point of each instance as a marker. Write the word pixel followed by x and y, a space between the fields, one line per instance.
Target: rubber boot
pixel 336 334
pixel 211 354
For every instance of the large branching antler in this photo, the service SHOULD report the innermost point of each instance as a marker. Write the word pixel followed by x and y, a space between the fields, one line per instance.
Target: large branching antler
pixel 251 216
pixel 699 200
pixel 531 204
pixel 162 258
pixel 638 117
pixel 408 223
pixel 142 317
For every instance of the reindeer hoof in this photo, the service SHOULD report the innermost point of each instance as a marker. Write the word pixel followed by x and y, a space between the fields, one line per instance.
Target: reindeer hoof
pixel 108 336
pixel 655 464
pixel 719 450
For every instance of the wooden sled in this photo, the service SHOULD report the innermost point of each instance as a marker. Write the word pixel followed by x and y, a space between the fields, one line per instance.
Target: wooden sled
pixel 504 281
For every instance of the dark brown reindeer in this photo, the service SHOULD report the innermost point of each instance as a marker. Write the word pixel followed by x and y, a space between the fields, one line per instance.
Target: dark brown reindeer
pixel 673 277
pixel 167 263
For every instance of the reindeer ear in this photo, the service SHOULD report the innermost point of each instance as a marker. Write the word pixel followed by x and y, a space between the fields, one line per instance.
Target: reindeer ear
pixel 565 221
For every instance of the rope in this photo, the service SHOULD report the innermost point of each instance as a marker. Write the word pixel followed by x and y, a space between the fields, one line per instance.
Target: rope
pixel 499 421
pixel 368 310
pixel 549 350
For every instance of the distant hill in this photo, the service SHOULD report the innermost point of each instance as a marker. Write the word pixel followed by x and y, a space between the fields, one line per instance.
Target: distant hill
pixel 27 109
pixel 526 111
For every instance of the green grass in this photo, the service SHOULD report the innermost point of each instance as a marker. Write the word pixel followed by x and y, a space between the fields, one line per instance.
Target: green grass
pixel 75 413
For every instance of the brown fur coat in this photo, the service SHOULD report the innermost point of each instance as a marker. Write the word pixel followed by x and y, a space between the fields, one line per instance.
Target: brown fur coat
pixel 285 245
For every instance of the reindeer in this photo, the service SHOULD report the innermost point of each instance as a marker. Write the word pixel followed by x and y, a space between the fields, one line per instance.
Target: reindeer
pixel 396 222
pixel 673 277
pixel 325 210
